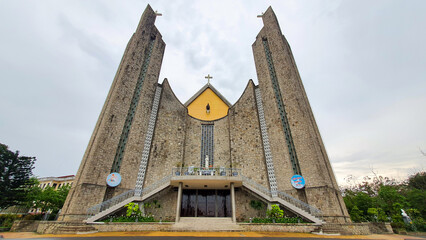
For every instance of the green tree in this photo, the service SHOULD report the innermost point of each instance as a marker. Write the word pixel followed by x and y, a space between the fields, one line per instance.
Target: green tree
pixel 359 199
pixel 15 172
pixel 391 200
pixel 381 199
pixel 47 199
pixel 417 199
pixel 356 215
pixel 418 181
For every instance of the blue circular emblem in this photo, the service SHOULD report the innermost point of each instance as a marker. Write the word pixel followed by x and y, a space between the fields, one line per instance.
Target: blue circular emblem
pixel 113 179
pixel 298 181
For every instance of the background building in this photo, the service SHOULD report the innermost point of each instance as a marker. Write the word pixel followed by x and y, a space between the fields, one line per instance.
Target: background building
pixel 56 182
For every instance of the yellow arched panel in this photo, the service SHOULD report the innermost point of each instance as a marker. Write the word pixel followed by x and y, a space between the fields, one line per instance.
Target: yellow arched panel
pixel 218 108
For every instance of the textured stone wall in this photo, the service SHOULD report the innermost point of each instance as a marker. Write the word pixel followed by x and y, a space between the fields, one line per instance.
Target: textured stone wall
pixel 193 142
pixel 52 227
pixel 279 227
pixel 279 150
pixel 169 136
pixel 313 160
pixel 89 186
pixel 221 143
pixel 327 198
pixel 134 227
pixel 192 149
pixel 25 226
pixel 244 211
pixel 246 141
pixel 166 209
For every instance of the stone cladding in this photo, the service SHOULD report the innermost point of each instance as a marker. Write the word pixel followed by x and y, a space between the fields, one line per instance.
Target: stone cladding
pixel 89 187
pixel 221 143
pixel 312 157
pixel 192 141
pixel 169 135
pixel 244 211
pixel 245 137
pixel 166 205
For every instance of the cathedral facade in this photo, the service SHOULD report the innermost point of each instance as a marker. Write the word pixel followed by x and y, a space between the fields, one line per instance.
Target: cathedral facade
pixel 206 157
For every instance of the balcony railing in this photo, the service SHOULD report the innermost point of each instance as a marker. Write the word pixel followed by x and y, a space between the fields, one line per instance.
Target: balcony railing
pixel 194 171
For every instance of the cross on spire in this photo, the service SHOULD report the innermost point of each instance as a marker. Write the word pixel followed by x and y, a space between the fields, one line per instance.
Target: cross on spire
pixel 208 78
pixel 157 13
pixel 261 15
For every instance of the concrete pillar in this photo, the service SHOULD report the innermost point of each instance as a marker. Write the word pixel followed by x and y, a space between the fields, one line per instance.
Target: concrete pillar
pixel 142 208
pixel 233 202
pixel 179 202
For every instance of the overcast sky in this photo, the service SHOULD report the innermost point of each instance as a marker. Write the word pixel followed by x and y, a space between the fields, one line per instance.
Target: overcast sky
pixel 362 64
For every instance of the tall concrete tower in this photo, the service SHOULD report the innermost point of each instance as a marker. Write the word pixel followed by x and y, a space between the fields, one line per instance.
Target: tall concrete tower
pixel 295 142
pixel 115 145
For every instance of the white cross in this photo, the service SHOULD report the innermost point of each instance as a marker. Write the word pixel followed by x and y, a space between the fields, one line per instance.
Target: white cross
pixel 208 78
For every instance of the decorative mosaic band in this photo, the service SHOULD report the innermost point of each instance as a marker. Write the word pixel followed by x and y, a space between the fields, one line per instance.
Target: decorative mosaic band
pixel 281 108
pixel 207 145
pixel 148 141
pixel 131 113
pixel 266 146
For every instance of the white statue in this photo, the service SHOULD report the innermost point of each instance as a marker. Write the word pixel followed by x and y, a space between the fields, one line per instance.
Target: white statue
pixel 207 161
pixel 405 217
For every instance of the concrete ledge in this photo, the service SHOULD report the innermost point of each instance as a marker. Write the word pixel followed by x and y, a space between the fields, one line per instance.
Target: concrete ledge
pixel 330 228
pixel 25 225
pixel 55 227
pixel 133 227
pixel 279 227
pixel 357 228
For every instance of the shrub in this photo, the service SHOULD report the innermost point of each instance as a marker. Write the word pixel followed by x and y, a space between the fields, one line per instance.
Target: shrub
pixel 6 220
pixel 356 214
pixel 131 219
pixel 275 212
pixel 258 205
pixel 420 225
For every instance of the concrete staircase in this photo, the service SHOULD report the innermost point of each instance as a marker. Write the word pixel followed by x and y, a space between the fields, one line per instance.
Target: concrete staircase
pixel 206 224
pixel 73 228
pixel 132 198
pixel 332 229
pixel 294 205
pixel 284 199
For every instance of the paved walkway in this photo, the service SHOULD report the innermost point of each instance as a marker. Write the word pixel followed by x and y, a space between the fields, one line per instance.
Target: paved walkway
pixel 242 235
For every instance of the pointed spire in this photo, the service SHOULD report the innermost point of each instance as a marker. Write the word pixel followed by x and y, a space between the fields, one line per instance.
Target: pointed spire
pixel 270 20
pixel 148 18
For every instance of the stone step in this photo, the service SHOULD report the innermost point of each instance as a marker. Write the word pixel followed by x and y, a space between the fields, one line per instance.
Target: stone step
pixel 206 224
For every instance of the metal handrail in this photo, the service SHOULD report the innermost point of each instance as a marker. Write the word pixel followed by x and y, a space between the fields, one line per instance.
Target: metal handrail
pixel 302 205
pixel 153 186
pixel 110 202
pixel 126 195
pixel 220 171
pixel 294 201
pixel 256 185
pixel 183 171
